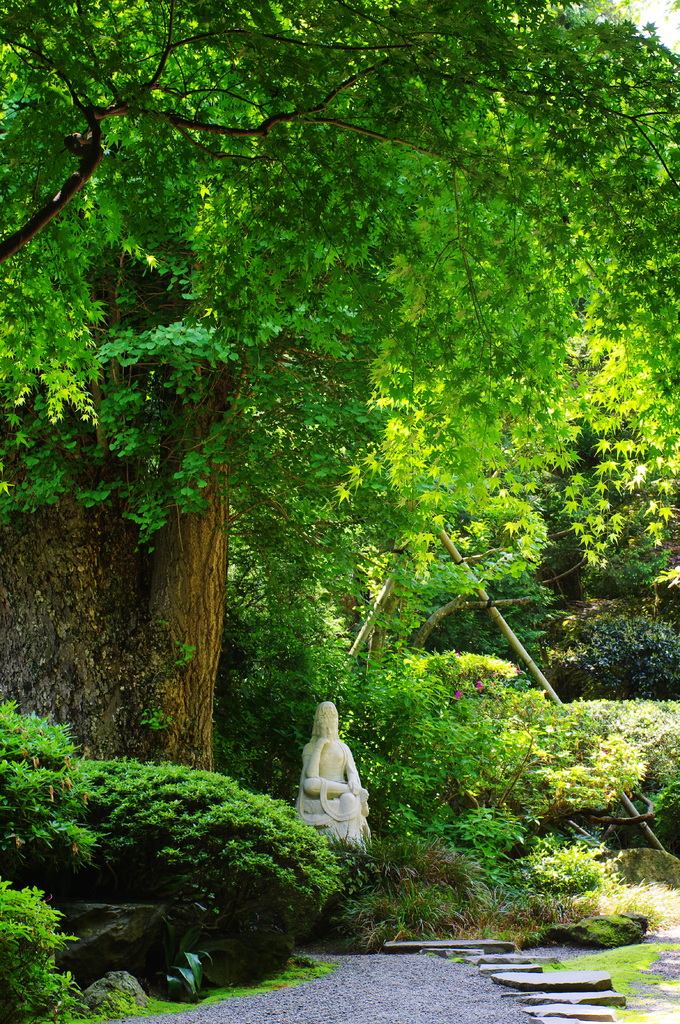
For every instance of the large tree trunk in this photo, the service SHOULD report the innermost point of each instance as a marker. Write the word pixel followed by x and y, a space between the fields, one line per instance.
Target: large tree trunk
pixel 120 644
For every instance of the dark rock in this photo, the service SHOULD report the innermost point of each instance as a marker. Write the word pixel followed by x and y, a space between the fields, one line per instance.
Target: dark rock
pixel 640 865
pixel 529 968
pixel 244 958
pixel 602 931
pixel 117 994
pixel 110 937
pixel 639 918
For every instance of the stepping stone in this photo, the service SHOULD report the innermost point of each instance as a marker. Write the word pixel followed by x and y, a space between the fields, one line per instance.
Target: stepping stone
pixel 460 945
pixel 556 981
pixel 561 1020
pixel 489 969
pixel 602 998
pixel 510 958
pixel 447 954
pixel 565 1012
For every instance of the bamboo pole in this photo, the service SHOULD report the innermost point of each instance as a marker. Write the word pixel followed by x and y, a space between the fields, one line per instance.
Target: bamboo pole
pixel 533 667
pixel 380 600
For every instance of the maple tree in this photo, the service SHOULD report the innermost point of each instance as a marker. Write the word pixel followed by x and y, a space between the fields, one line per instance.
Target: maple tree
pixel 225 228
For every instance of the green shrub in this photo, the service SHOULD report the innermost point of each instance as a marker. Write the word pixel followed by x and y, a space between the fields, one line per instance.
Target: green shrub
pixel 624 659
pixel 32 991
pixel 667 820
pixel 196 835
pixel 553 867
pixel 41 798
pixel 447 748
pixel 520 915
pixel 652 728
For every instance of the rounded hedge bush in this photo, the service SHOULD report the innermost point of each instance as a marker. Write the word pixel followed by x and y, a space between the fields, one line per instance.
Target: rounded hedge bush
pixel 624 659
pixel 166 830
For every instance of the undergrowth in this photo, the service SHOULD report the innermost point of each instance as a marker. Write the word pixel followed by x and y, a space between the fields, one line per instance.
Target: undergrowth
pixel 298 970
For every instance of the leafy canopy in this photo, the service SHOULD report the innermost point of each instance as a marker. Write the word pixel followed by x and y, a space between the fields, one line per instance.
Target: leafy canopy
pixel 200 201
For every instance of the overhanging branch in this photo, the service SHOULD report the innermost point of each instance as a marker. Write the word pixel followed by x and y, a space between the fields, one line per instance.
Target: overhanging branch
pixel 92 155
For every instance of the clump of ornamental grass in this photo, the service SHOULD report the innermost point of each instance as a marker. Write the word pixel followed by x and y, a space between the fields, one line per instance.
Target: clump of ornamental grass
pixel 407 888
pixel 410 912
pixel 659 903
pixel 521 915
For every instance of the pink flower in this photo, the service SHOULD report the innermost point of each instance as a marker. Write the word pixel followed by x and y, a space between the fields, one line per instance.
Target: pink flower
pixel 457 695
pixel 479 685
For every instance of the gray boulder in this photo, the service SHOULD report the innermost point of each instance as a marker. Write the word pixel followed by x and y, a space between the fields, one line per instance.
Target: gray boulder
pixel 117 994
pixel 637 866
pixel 110 937
pixel 602 931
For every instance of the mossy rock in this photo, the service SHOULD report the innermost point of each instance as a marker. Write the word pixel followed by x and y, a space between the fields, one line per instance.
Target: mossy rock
pixel 117 994
pixel 602 931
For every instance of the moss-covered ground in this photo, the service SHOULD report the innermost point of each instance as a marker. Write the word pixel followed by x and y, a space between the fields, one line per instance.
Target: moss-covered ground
pixel 652 998
pixel 294 974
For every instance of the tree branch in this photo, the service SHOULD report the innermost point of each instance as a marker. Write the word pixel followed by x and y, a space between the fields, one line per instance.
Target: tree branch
pixel 470 606
pixel 636 819
pixel 378 136
pixel 92 152
pixel 156 77
pixel 92 155
pixel 263 129
pixel 219 154
pixel 553 579
pixel 431 624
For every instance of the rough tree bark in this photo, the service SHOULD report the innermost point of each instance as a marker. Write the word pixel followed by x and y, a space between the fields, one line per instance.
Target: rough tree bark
pixel 120 644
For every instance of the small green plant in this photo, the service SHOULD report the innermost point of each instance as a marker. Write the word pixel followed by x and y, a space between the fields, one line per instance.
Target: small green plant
pixel 659 903
pixel 667 807
pixel 156 719
pixel 490 832
pixel 520 915
pixel 564 869
pixel 408 887
pixel 185 651
pixel 42 797
pixel 184 962
pixel 32 991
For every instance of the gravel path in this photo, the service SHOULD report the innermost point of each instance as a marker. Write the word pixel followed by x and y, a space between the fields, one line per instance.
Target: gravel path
pixel 387 989
pixel 376 989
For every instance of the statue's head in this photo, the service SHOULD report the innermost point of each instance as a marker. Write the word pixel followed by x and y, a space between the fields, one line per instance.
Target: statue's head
pixel 326 721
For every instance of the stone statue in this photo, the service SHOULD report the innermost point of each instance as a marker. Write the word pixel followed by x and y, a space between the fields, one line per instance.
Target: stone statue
pixel 331 797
